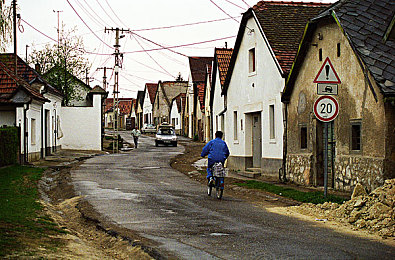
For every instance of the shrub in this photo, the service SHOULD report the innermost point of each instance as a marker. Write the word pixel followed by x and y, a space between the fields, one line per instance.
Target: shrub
pixel 9 143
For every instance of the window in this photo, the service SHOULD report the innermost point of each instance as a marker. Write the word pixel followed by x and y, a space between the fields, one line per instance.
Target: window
pixel 241 124
pixel 235 125
pixel 173 121
pixel 303 137
pixel 33 131
pixel 355 136
pixel 251 60
pixel 271 122
pixel 338 50
pixel 320 54
pixel 216 123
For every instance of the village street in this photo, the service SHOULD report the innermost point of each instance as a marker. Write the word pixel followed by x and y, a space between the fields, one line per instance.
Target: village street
pixel 141 192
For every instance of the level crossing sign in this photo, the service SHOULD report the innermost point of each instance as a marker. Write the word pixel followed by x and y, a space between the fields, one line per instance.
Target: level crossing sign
pixel 326 108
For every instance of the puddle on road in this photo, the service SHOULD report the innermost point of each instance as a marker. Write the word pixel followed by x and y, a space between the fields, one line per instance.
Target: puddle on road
pixel 219 234
pixel 93 189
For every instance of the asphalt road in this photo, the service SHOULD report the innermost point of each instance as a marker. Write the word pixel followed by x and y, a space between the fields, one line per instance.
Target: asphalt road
pixel 141 192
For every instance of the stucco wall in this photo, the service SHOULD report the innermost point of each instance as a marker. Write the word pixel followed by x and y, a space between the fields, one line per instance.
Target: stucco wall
pixel 81 126
pixel 175 115
pixel 357 104
pixel 254 92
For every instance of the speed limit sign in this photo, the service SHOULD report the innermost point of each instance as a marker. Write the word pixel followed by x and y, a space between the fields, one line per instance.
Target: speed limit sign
pixel 326 108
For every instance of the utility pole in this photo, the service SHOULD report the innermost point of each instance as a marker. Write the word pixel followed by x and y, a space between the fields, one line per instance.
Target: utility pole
pixel 14 25
pixel 116 89
pixel 58 25
pixel 104 76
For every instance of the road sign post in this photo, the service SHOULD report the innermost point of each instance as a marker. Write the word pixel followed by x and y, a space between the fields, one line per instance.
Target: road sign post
pixel 326 109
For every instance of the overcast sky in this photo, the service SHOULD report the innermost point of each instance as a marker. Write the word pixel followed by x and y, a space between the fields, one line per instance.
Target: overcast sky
pixel 139 66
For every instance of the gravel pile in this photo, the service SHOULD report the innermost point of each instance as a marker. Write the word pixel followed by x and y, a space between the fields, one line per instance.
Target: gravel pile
pixel 373 212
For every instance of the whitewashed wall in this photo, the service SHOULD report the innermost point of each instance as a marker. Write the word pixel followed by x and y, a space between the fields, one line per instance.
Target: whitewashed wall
pixel 175 115
pixel 218 104
pixel 147 107
pixel 254 93
pixel 81 126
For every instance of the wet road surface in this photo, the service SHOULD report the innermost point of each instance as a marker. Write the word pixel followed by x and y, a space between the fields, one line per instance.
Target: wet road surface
pixel 141 192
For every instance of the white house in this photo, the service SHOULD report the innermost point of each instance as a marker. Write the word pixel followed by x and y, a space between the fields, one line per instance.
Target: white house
pixel 265 47
pixel 176 112
pixel 149 98
pixel 217 106
pixel 33 105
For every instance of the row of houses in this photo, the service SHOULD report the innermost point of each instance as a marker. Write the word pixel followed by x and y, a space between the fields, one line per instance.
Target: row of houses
pixel 37 108
pixel 261 93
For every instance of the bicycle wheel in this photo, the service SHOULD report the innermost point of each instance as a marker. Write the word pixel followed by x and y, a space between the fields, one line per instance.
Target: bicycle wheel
pixel 220 192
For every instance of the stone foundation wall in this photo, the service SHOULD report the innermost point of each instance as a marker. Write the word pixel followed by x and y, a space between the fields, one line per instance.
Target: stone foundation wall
pixel 350 170
pixel 299 168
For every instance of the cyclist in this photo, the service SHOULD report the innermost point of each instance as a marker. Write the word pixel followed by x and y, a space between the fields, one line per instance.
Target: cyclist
pixel 217 151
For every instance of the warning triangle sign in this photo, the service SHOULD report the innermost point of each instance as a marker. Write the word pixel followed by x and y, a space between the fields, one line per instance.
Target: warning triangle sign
pixel 327 74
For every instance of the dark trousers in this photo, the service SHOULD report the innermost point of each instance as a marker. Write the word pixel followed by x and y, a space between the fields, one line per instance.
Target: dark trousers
pixel 135 139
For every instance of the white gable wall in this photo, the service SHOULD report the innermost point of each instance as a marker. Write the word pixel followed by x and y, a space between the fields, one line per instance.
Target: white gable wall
pixel 218 104
pixel 250 93
pixel 176 116
pixel 147 108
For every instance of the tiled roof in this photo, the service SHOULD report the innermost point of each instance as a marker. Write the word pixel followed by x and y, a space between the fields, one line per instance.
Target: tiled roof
pixel 9 84
pixel 283 24
pixel 25 72
pixel 180 100
pixel 366 22
pixel 223 59
pixel 201 87
pixel 197 66
pixel 152 88
pixel 125 105
pixel 140 98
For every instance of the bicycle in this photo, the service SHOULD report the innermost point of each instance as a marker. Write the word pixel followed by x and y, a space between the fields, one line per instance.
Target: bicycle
pixel 219 174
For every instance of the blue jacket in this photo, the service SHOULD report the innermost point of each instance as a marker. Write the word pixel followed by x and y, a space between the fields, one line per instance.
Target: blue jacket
pixel 217 151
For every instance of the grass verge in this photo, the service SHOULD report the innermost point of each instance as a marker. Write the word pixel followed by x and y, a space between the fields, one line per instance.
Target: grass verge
pixel 315 197
pixel 23 225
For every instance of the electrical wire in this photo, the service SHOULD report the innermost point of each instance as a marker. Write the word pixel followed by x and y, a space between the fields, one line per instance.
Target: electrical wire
pixel 182 25
pixel 223 10
pixel 106 12
pixel 92 17
pixel 157 63
pixel 177 46
pixel 235 4
pixel 146 65
pixel 115 14
pixel 87 24
pixel 246 3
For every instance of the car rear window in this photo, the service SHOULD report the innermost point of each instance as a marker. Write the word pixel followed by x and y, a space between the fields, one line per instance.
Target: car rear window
pixel 165 131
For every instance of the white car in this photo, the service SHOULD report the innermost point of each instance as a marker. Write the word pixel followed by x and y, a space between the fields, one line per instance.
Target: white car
pixel 166 136
pixel 148 128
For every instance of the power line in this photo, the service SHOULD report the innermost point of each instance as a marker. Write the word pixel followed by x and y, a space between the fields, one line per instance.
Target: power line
pixel 92 17
pixel 87 24
pixel 151 56
pixel 115 14
pixel 183 25
pixel 246 3
pixel 235 4
pixel 106 12
pixel 223 10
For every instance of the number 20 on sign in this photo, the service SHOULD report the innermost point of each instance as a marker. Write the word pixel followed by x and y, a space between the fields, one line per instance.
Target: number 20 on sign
pixel 326 108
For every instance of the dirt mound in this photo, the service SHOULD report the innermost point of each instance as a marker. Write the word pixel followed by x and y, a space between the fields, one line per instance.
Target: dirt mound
pixel 374 212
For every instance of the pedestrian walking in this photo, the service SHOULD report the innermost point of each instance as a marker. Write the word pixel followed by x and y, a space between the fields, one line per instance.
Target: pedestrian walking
pixel 136 134
pixel 217 152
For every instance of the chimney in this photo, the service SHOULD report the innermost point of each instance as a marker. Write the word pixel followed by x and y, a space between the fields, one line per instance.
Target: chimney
pixel 37 68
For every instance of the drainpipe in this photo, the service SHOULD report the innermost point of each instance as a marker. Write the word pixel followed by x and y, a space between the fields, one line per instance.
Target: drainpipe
pixel 42 132
pixel 25 133
pixel 285 139
pixel 55 131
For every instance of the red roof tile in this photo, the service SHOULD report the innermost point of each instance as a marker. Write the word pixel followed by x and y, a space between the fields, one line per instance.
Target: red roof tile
pixel 152 88
pixel 197 66
pixel 283 24
pixel 201 87
pixel 223 59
